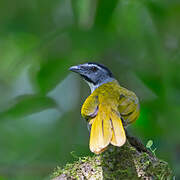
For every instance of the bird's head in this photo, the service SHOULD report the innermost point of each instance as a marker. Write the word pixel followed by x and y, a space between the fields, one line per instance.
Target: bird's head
pixel 93 73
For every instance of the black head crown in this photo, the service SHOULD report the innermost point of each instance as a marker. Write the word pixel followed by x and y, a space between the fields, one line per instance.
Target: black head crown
pixel 93 72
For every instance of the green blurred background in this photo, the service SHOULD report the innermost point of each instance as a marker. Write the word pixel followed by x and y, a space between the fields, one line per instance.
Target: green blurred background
pixel 40 100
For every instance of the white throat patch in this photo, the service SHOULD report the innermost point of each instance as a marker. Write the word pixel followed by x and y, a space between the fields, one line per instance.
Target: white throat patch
pixel 93 87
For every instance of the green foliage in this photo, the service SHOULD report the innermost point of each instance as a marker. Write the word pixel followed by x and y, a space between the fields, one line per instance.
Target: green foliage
pixel 39 40
pixel 149 145
pixel 28 104
pixel 50 74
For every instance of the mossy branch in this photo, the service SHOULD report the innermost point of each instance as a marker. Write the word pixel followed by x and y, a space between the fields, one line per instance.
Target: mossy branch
pixel 129 162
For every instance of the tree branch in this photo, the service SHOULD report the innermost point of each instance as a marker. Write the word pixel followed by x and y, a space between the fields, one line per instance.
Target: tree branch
pixel 129 162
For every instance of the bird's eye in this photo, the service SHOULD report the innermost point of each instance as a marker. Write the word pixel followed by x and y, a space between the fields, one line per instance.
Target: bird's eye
pixel 94 69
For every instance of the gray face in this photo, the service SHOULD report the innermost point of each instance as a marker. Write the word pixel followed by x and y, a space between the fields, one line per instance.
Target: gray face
pixel 92 72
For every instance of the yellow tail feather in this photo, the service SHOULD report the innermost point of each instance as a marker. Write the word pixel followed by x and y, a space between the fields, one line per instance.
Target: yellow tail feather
pixel 119 136
pixel 96 137
pixel 106 128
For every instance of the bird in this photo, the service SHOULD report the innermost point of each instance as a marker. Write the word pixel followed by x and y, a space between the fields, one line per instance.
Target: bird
pixel 109 109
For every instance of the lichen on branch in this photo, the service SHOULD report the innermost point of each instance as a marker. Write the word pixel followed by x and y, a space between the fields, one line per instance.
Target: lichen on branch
pixel 128 162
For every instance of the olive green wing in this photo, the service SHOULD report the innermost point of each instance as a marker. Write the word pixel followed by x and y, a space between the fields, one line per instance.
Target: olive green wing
pixel 90 107
pixel 128 106
pixel 105 124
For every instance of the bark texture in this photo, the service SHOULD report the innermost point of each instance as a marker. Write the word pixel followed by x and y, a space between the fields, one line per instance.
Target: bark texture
pixel 129 162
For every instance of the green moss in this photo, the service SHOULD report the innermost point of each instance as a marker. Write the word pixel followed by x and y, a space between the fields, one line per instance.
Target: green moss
pixel 85 165
pixel 124 163
pixel 118 162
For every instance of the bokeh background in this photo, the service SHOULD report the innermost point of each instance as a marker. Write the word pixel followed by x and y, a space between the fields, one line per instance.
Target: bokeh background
pixel 40 100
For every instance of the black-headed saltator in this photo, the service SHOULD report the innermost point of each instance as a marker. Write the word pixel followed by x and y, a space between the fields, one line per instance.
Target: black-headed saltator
pixel 108 109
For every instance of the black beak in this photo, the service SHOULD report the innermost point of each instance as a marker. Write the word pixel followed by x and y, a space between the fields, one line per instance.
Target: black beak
pixel 76 69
